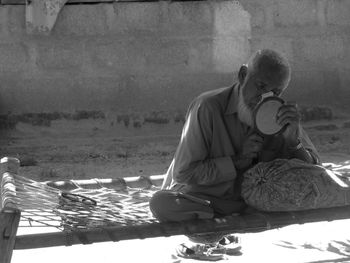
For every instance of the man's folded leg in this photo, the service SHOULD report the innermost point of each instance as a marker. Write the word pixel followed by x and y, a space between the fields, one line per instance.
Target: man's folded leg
pixel 173 206
pixel 170 206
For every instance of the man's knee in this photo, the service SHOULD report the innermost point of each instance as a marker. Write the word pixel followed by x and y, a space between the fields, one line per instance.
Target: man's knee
pixel 161 204
pixel 167 205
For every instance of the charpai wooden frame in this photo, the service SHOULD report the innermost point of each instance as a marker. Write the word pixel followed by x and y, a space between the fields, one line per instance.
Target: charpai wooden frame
pixel 255 222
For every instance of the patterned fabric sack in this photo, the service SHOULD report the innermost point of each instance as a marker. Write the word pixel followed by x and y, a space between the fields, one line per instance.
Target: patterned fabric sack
pixel 290 185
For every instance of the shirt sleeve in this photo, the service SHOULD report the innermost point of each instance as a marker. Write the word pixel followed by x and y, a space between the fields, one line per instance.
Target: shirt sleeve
pixel 309 146
pixel 192 162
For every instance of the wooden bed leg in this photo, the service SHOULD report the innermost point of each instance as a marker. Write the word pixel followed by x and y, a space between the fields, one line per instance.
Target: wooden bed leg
pixel 9 220
pixel 9 214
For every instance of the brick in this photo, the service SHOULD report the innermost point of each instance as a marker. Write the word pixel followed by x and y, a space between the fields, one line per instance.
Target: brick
pixel 344 62
pixel 188 18
pixel 168 55
pixel 295 13
pixel 115 92
pixel 136 16
pixel 16 19
pixel 81 20
pixel 3 21
pixel 278 43
pixel 230 53
pixel 59 55
pixel 338 12
pixel 118 55
pixel 322 49
pixel 119 93
pixel 318 87
pixel 176 91
pixel 13 58
pixel 231 19
pixel 344 77
pixel 12 22
pixel 200 55
pixel 307 86
pixel 110 54
pixel 48 94
pixel 256 11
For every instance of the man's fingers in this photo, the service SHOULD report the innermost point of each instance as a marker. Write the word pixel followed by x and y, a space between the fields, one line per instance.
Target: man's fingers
pixel 288 117
pixel 291 106
pixel 250 155
pixel 288 120
pixel 291 103
pixel 255 138
pixel 252 148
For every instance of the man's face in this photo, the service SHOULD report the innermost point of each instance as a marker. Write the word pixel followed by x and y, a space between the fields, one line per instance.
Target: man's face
pixel 256 84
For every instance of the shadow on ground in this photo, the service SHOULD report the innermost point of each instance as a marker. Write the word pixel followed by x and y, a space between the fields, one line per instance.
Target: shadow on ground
pixel 339 248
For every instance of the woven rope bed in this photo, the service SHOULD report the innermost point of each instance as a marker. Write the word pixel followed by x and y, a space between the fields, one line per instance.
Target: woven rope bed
pixel 100 210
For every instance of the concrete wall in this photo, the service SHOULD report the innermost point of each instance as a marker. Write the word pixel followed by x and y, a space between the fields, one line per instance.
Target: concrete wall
pixel 121 57
pixel 159 55
pixel 315 36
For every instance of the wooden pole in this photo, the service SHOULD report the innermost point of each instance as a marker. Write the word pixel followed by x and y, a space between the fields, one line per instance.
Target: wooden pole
pixel 118 184
pixel 22 2
pixel 248 223
pixel 9 214
pixel 9 220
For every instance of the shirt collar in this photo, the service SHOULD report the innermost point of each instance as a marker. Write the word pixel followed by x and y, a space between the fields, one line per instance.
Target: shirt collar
pixel 232 104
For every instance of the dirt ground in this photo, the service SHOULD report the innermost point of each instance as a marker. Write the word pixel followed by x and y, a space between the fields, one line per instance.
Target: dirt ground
pixel 103 148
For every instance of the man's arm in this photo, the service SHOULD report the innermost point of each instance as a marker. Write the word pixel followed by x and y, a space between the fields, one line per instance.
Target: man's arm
pixel 192 161
pixel 303 150
pixel 296 142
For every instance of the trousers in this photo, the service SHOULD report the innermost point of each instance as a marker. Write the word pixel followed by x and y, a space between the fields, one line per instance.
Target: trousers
pixel 174 206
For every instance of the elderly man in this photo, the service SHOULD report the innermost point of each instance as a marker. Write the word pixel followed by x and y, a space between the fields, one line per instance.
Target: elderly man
pixel 219 143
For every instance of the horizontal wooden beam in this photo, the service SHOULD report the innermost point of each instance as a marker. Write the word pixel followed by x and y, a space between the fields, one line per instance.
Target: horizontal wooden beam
pixel 22 2
pixel 121 183
pixel 248 223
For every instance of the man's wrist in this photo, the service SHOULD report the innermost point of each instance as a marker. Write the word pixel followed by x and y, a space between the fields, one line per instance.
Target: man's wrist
pixel 299 151
pixel 295 145
pixel 241 162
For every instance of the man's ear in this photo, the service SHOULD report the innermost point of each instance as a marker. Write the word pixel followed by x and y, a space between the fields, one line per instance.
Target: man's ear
pixel 242 73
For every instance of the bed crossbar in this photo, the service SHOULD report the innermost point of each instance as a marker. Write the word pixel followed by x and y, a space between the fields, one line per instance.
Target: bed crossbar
pixel 245 223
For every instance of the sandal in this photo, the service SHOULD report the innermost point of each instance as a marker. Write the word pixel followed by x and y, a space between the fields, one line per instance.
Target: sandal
pixel 200 252
pixel 231 244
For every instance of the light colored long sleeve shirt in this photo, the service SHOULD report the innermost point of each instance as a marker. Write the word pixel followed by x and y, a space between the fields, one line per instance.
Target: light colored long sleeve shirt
pixel 211 137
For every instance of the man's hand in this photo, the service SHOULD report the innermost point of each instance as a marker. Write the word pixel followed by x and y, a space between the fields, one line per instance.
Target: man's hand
pixel 250 149
pixel 288 114
pixel 252 146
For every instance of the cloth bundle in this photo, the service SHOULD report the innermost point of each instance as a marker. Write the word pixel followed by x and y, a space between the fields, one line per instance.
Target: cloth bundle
pixel 291 185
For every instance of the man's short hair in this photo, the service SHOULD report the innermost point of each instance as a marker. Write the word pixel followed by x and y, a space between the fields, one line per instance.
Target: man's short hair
pixel 273 62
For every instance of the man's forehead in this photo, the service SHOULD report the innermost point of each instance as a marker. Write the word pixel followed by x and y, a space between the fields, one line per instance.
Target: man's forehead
pixel 269 78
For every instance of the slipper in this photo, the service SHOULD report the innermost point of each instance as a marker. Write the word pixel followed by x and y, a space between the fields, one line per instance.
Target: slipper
pixel 199 252
pixel 230 244
pixel 229 239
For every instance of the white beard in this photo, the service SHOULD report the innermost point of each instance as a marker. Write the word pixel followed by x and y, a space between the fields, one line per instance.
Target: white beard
pixel 245 115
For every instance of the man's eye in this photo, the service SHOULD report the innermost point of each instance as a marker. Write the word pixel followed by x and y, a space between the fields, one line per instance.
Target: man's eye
pixel 276 92
pixel 261 86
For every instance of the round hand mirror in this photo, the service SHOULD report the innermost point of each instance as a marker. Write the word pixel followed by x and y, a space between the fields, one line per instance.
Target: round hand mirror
pixel 265 116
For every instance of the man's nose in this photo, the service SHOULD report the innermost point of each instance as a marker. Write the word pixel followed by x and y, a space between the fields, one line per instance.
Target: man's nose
pixel 262 96
pixel 267 94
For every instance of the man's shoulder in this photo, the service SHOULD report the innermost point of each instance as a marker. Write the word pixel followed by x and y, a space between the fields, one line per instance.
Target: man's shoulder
pixel 214 97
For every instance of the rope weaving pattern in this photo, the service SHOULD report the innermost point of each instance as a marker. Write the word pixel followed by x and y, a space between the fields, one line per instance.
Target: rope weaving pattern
pixel 80 208
pixel 99 210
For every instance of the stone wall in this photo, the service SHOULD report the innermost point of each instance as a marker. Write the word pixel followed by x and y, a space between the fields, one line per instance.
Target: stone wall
pixel 121 57
pixel 315 36
pixel 127 57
